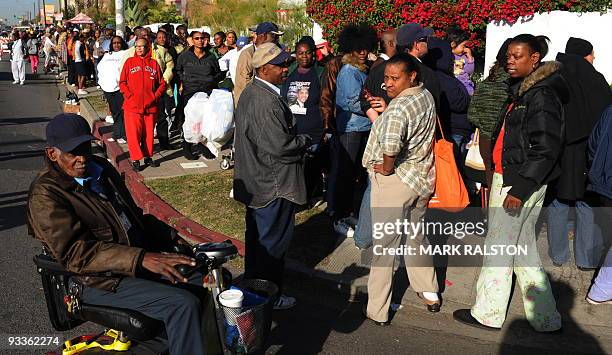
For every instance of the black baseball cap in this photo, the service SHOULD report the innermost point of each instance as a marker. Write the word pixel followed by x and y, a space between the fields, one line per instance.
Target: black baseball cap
pixel 67 131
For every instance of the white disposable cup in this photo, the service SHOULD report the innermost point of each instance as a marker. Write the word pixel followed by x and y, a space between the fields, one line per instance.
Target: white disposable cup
pixel 233 299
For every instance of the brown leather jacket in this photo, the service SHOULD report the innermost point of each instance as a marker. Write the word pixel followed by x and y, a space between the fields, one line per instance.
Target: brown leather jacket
pixel 327 104
pixel 82 230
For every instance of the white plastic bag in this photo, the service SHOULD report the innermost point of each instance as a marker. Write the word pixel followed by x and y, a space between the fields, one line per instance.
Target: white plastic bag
pixel 194 115
pixel 218 120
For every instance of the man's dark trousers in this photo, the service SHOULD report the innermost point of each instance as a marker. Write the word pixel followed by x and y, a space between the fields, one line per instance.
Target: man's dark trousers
pixel 166 106
pixel 115 102
pixel 179 309
pixel 269 231
pixel 71 73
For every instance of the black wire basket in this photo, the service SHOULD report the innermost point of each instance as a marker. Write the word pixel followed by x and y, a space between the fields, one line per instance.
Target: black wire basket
pixel 247 327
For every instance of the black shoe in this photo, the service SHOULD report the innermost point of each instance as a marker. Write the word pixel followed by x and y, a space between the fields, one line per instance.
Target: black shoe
pixel 151 162
pixel 136 166
pixel 465 316
pixel 581 268
pixel 364 312
pixel 556 264
pixel 187 153
pixel 432 306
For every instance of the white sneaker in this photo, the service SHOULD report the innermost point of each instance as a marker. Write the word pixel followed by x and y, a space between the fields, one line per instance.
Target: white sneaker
pixel 342 228
pixel 109 119
pixel 82 92
pixel 22 83
pixel 73 85
pixel 121 141
pixel 284 302
pixel 16 82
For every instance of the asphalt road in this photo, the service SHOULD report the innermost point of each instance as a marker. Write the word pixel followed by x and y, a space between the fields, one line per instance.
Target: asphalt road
pixel 24 112
pixel 324 321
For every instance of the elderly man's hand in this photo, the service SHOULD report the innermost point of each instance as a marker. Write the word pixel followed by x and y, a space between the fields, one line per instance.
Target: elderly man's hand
pixel 163 264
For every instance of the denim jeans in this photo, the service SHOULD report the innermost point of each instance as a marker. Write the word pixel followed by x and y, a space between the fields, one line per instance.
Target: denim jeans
pixel 588 239
pixel 363 230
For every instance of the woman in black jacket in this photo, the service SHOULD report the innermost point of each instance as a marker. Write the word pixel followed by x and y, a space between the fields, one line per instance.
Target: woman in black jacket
pixel 527 144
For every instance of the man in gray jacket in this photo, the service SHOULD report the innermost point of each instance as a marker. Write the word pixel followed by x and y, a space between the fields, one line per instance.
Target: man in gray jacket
pixel 268 174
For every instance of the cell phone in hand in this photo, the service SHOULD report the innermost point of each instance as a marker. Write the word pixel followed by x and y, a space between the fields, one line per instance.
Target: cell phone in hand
pixel 367 94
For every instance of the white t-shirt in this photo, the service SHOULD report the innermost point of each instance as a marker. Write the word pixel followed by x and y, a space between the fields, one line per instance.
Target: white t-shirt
pixel 17 51
pixel 96 48
pixel 77 52
pixel 48 45
pixel 109 71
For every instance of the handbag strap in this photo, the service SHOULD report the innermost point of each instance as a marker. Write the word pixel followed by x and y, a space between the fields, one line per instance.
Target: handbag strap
pixel 440 127
pixel 477 136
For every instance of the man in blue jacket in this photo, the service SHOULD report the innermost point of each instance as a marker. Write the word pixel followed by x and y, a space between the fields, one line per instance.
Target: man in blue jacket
pixel 600 176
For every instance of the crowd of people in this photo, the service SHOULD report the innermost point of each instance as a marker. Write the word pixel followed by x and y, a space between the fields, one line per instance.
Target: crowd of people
pixel 357 129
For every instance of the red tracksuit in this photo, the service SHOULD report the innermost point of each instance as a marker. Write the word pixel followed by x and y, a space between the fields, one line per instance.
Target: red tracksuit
pixel 142 85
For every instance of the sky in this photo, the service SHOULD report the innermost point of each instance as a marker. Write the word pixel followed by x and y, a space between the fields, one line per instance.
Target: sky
pixel 8 8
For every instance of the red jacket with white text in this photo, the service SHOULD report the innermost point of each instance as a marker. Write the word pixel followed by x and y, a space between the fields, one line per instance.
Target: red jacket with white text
pixel 141 84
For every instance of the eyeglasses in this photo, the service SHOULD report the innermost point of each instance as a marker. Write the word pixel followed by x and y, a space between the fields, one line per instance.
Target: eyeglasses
pixel 198 38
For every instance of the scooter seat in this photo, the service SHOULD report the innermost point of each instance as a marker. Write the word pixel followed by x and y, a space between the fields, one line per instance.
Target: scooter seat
pixel 134 324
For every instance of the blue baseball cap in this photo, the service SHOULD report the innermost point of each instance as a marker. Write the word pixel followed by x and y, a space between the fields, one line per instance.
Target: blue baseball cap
pixel 242 41
pixel 410 33
pixel 67 131
pixel 268 27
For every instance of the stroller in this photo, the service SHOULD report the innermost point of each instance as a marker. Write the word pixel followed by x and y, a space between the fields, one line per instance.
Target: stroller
pixel 54 66
pixel 227 161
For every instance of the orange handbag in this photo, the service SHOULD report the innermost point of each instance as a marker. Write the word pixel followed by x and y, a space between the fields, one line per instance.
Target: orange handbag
pixel 450 193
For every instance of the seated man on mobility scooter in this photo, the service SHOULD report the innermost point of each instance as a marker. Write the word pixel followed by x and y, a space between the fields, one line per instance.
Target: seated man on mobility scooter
pixel 80 208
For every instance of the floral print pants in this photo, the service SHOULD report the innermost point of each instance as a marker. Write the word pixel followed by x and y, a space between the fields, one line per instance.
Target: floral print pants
pixel 495 280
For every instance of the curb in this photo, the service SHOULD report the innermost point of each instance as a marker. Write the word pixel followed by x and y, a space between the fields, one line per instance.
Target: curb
pixel 143 196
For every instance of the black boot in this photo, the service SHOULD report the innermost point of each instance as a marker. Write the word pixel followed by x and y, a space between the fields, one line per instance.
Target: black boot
pixel 187 153
pixel 136 166
pixel 150 162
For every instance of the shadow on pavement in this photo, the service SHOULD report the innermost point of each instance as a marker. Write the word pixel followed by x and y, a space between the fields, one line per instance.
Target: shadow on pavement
pixel 573 339
pixel 25 120
pixel 23 154
pixel 305 328
pixel 12 216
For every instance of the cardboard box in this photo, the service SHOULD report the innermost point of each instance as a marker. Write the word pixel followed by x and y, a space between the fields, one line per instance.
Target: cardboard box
pixel 72 108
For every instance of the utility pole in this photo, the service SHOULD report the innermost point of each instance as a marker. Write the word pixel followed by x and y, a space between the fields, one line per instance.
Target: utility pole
pixel 119 20
pixel 34 11
pixel 44 13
